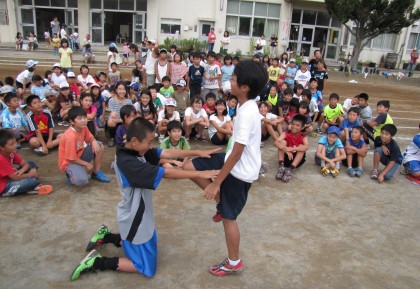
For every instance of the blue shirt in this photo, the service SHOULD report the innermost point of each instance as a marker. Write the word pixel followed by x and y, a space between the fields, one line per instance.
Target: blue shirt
pixel 227 72
pixel 358 145
pixel 291 71
pixel 13 120
pixel 349 125
pixel 330 148
pixel 98 104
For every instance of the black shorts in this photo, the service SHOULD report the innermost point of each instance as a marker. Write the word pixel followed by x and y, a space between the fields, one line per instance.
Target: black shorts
pixel 233 192
pixel 288 163
pixel 217 141
pixel 265 137
pixel 44 136
pixel 317 117
pixel 20 84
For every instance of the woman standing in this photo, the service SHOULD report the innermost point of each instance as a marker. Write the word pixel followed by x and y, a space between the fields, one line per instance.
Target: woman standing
pixel 225 42
pixel 211 37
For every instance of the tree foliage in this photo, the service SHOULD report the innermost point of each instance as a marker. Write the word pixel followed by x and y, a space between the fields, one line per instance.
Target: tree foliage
pixel 372 18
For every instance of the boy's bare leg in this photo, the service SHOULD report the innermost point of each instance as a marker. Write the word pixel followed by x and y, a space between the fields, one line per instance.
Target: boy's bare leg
pixel 349 160
pixel 376 160
pixel 202 183
pixel 360 161
pixel 233 237
pixel 126 265
pixel 97 162
pixel 298 158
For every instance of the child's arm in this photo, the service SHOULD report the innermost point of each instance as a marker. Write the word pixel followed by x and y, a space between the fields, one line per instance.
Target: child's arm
pixel 157 72
pixel 41 140
pixel 220 129
pixel 300 148
pixel 172 154
pixel 91 116
pixel 278 143
pixel 320 152
pixel 361 152
pixel 20 174
pixel 385 171
pixel 204 122
pixel 190 121
pixel 342 156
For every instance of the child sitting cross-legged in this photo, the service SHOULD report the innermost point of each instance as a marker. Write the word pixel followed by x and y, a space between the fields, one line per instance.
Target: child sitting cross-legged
pixel 165 116
pixel 41 137
pixel 13 181
pixel 13 120
pixel 270 123
pixel 78 148
pixel 330 152
pixel 387 152
pixel 292 148
pixel 356 151
pixel 175 140
pixel 196 119
pixel 221 127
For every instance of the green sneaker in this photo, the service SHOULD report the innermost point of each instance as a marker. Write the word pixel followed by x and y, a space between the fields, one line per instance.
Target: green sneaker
pixel 85 266
pixel 98 238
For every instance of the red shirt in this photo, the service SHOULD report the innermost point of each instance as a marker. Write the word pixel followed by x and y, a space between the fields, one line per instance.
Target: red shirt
pixel 6 168
pixel 74 89
pixel 294 141
pixel 42 122
pixel 211 108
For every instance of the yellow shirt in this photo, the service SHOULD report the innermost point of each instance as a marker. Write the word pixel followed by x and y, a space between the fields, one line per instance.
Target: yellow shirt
pixel 55 42
pixel 273 73
pixel 65 57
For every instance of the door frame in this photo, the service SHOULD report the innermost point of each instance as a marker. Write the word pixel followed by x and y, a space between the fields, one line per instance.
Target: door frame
pixel 142 29
pixel 200 28
pixel 92 28
pixel 33 24
pixel 301 41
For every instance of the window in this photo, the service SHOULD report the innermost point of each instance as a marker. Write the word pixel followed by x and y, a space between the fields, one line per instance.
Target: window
pixel 141 5
pixel 58 3
pixel 246 18
pixel 412 41
pixel 96 4
pixel 384 42
pixel 127 5
pixel 26 2
pixel 309 17
pixel 170 26
pixel 110 4
pixel 72 3
pixel 42 2
pixel 296 16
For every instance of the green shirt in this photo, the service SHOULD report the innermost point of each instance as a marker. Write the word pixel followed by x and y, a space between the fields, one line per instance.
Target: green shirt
pixel 331 113
pixel 167 92
pixel 158 103
pixel 181 145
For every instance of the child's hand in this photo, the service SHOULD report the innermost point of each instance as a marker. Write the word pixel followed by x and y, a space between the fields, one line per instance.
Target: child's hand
pixel 289 155
pixel 33 173
pixel 178 164
pixel 385 150
pixel 211 190
pixel 45 149
pixel 50 144
pixel 89 167
pixel 380 178
pixel 19 172
pixel 332 164
pixel 207 154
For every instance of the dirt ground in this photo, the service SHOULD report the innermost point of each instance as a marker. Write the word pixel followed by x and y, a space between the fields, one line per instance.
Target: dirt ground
pixel 312 232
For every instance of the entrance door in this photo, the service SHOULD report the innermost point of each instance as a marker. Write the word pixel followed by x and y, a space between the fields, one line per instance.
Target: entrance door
pixel 138 27
pixel 71 25
pixel 96 27
pixel 332 44
pixel 27 21
pixel 205 29
pixel 306 38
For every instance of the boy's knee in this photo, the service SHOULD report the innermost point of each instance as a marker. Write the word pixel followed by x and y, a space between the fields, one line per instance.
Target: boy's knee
pixel 379 151
pixel 83 181
pixel 34 143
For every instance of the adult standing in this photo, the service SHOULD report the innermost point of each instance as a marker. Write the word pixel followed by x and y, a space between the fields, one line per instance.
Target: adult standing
pixel 260 45
pixel 211 37
pixel 55 26
pixel 413 61
pixel 274 41
pixel 225 42
pixel 152 55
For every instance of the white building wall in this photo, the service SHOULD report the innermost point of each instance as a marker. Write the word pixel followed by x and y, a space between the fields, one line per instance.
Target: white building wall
pixel 8 32
pixel 84 18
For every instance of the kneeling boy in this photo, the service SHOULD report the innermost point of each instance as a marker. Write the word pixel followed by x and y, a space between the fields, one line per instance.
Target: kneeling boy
pixel 330 152
pixel 292 147
pixel 387 152
pixel 135 215
pixel 78 148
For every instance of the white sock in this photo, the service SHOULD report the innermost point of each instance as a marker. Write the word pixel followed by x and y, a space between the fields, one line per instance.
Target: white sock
pixel 234 263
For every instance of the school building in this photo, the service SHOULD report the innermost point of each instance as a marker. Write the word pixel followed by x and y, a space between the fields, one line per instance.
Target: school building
pixel 302 25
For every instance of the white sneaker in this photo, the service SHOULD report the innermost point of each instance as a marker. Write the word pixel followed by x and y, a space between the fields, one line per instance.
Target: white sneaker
pixel 39 151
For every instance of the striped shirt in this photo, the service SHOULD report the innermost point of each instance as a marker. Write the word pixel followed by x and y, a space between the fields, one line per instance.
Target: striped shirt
pixel 40 91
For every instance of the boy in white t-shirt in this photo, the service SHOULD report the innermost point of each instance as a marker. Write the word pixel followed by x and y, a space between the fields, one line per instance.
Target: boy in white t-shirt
pixel 212 75
pixel 195 119
pixel 303 75
pixel 240 166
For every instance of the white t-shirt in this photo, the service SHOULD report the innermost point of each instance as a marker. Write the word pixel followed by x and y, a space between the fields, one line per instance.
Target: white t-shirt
pixel 150 62
pixel 347 105
pixel 85 81
pixel 313 107
pixel 211 71
pixel 25 74
pixel 175 116
pixel 57 79
pixel 201 113
pixel 213 117
pixel 63 33
pixel 303 77
pixel 247 131
pixel 270 116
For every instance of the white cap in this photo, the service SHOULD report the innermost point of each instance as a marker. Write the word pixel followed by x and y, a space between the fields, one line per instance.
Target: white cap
pixel 57 65
pixel 292 60
pixel 170 102
pixel 152 41
pixel 64 84
pixel 30 63
pixel 227 86
pixel 181 82
pixel 75 34
pixel 305 60
pixel 71 74
pixel 95 85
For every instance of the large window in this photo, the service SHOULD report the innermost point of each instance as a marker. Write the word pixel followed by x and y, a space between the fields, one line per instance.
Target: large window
pixel 125 5
pixel 51 3
pixel 412 41
pixel 245 18
pixel 170 26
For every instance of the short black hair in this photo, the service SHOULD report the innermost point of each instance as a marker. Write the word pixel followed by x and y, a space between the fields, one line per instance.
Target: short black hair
pixel 37 77
pixel 83 66
pixel 227 57
pixel 173 46
pixel 364 96
pixel 64 40
pixel 313 79
pixel 8 97
pixel 231 96
pixel 252 74
pixel 166 78
pixel 334 95
pixel 126 110
pixel 196 55
pixel 354 109
pixel 298 86
pixel 211 54
pixel 113 63
pixel 275 59
pixel 83 95
pixel 196 98
pixel 31 98
pixel 174 124
pixel 139 128
pixel 308 94
pixel 5 136
pixel 384 103
pixel 236 58
pixel 304 104
pixel 210 95
pixel 153 86
pixel 76 111
pixel 48 72
pixel 299 118
pixel 294 103
pixel 392 129
pixel 9 80
pixel 360 129
pixel 288 91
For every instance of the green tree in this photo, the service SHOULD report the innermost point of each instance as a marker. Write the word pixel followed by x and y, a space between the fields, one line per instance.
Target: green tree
pixel 372 18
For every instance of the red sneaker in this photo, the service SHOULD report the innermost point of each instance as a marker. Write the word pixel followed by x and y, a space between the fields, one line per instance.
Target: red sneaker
pixel 217 217
pixel 225 268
